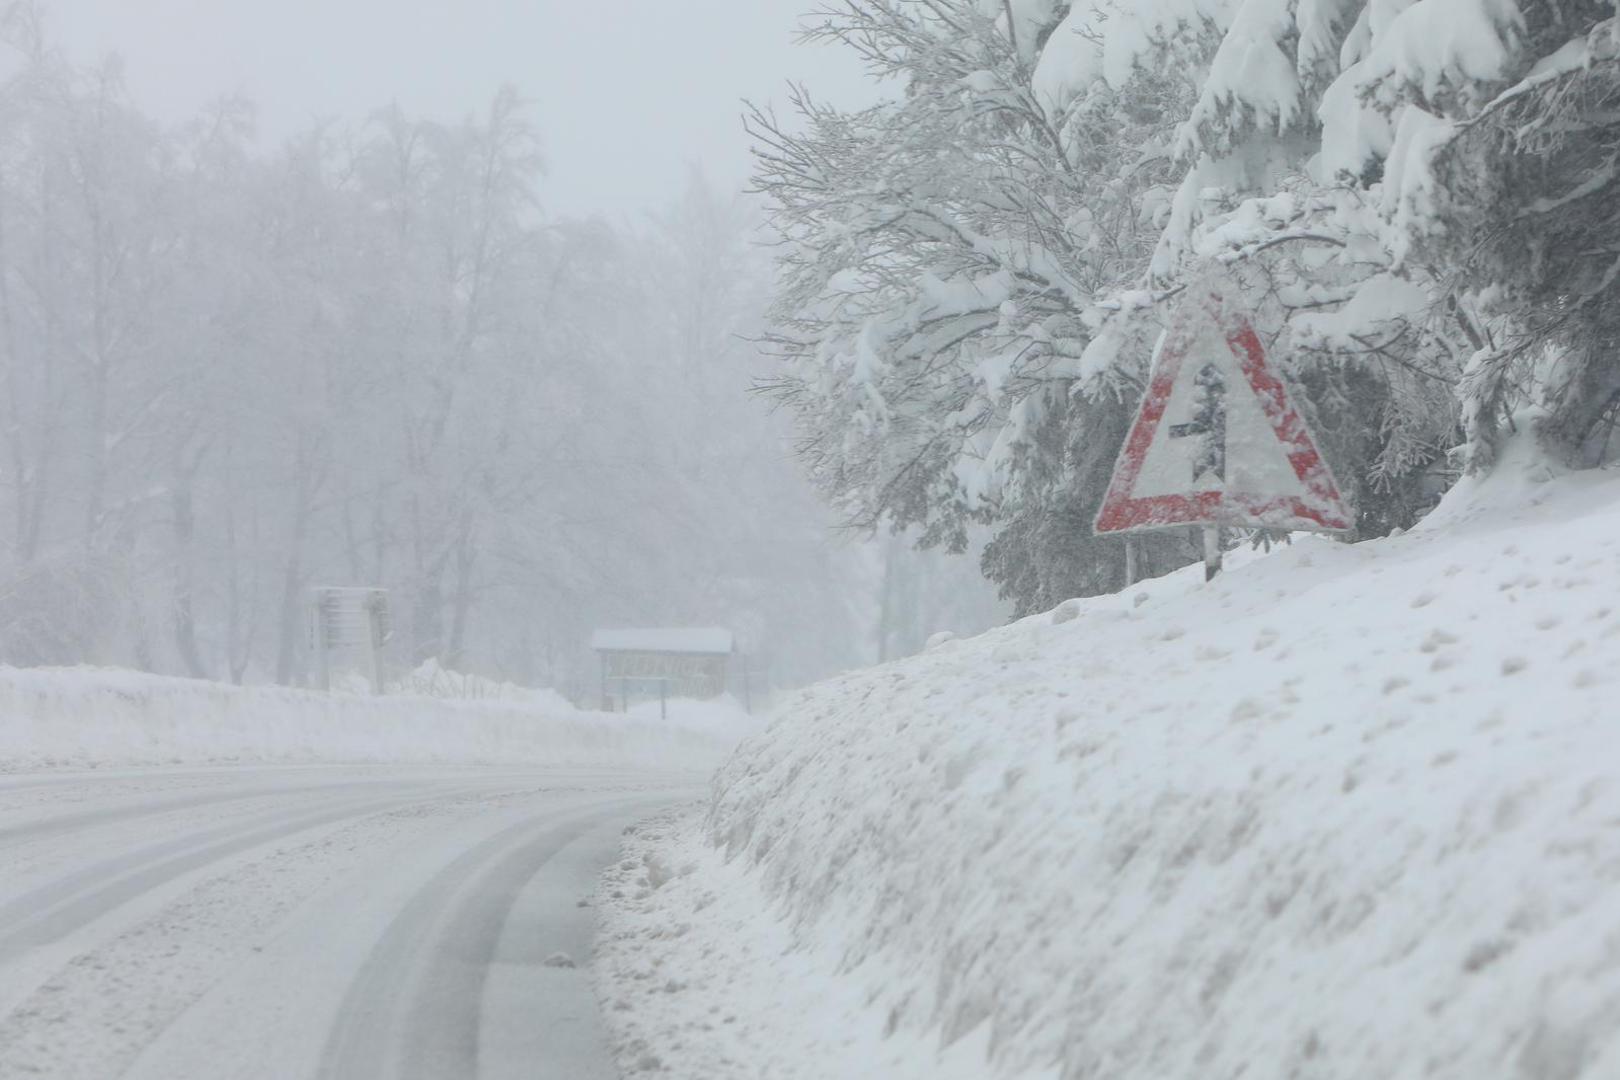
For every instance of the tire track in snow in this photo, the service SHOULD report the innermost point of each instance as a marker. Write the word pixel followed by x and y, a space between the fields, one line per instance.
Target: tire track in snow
pixel 63 921
pixel 414 1010
pixel 159 954
pixel 96 1003
pixel 63 824
pixel 53 911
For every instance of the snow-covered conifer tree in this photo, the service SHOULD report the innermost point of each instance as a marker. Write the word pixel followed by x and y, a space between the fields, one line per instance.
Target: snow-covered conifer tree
pixel 1421 187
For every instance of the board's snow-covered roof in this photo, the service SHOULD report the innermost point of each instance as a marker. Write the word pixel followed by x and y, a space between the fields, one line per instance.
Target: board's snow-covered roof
pixel 711 641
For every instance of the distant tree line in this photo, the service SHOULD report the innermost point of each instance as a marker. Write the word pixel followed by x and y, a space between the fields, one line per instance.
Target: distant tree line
pixel 228 374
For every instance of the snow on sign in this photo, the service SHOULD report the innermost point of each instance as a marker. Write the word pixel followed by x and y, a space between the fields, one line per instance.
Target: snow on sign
pixel 1217 440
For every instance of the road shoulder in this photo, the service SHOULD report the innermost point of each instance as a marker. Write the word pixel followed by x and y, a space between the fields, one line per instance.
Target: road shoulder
pixel 699 977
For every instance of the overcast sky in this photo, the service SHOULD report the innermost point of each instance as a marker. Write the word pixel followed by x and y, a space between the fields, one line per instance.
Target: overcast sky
pixel 628 92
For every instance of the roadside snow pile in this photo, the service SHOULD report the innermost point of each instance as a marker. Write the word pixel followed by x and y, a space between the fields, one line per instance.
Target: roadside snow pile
pixel 432 679
pixel 87 717
pixel 698 982
pixel 1346 812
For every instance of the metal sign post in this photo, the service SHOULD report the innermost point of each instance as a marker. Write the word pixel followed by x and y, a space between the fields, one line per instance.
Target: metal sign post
pixel 1212 551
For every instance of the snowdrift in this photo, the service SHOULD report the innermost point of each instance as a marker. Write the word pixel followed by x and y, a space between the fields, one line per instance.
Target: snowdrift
pixel 88 717
pixel 1346 812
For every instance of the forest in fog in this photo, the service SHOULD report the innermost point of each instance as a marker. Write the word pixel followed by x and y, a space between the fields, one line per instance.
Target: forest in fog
pixel 233 372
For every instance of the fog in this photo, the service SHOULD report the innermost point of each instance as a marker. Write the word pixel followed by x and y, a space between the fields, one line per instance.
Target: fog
pixel 460 306
pixel 626 96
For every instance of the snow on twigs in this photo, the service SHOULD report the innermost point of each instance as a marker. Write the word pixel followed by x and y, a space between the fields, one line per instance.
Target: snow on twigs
pixel 1346 812
pixel 84 717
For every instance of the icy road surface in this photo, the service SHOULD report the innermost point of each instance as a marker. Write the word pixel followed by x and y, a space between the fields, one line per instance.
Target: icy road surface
pixel 306 922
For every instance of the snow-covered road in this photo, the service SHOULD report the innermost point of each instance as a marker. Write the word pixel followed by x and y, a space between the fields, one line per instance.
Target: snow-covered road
pixel 306 922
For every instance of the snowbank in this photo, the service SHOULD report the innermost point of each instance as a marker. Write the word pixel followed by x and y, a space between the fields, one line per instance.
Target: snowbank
pixel 1346 812
pixel 432 679
pixel 87 717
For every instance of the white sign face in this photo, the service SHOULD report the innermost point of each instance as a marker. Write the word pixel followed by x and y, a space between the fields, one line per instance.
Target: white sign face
pixel 1217 441
pixel 1212 438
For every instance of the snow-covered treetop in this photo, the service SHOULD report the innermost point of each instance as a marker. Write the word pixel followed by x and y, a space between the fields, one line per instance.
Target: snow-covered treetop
pixel 972 262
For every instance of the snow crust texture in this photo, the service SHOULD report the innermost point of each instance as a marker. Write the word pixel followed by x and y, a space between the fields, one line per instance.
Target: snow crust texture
pixel 696 981
pixel 1346 812
pixel 94 718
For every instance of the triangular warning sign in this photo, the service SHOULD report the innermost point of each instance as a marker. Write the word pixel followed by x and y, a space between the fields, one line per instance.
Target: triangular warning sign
pixel 1217 440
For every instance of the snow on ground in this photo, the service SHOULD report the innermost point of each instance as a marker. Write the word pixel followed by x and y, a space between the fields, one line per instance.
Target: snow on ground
pixel 278 922
pixel 77 718
pixel 1346 812
pixel 697 980
pixel 432 679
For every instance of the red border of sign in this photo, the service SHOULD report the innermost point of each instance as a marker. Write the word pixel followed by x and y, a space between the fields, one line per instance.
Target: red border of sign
pixel 1121 512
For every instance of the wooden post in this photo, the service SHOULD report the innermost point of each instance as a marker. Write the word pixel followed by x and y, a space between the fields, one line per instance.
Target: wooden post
pixel 1132 569
pixel 1212 551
